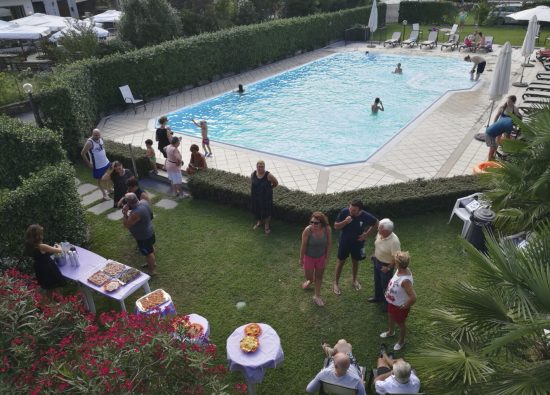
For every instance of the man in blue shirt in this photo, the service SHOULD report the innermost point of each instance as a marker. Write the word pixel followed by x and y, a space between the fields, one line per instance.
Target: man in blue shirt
pixel 355 225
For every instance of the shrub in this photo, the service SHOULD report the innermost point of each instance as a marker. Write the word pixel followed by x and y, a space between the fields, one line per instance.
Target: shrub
pixel 25 148
pixel 55 347
pixel 404 199
pixel 427 12
pixel 47 197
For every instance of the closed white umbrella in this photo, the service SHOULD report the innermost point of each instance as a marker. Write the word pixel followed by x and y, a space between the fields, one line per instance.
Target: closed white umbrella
pixel 542 12
pixel 373 20
pixel 528 47
pixel 501 76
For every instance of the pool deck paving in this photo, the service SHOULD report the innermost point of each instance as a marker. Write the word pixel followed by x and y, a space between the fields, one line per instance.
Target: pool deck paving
pixel 438 143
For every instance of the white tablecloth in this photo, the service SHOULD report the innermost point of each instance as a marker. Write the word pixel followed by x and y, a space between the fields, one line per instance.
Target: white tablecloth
pixel 252 365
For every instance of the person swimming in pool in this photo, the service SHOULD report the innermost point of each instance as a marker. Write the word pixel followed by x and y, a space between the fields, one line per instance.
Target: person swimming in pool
pixel 377 105
pixel 398 69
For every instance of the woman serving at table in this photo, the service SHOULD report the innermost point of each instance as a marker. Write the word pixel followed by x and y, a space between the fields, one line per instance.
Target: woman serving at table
pixel 47 272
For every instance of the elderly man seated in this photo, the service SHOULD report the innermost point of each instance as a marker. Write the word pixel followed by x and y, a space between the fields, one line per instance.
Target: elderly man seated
pixel 394 376
pixel 338 372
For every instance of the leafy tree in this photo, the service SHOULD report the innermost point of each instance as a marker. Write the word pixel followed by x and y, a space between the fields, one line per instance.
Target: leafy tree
pixel 520 190
pixel 225 11
pixel 246 12
pixel 148 22
pixel 488 334
pixel 481 11
pixel 80 42
pixel 300 7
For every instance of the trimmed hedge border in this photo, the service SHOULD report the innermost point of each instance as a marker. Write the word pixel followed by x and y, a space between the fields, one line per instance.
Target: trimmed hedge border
pixel 121 152
pixel 395 200
pixel 49 198
pixel 78 94
pixel 24 148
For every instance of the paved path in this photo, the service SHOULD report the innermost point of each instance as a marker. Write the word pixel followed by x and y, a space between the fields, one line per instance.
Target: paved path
pixel 439 143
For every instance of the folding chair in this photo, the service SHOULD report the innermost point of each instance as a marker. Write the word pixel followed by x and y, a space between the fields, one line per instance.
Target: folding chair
pixel 129 97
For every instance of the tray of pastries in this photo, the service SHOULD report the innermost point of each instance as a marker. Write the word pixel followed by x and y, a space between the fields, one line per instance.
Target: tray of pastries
pixel 253 330
pixel 152 300
pixel 98 278
pixel 129 275
pixel 113 268
pixel 249 344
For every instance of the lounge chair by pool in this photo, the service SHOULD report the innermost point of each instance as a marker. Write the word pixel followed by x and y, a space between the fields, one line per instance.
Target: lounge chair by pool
pixel 431 41
pixel 394 40
pixel 412 40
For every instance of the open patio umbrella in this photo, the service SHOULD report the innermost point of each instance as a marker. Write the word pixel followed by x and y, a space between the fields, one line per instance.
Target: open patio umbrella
pixel 54 22
pixel 501 76
pixel 373 21
pixel 542 12
pixel 13 31
pixel 99 32
pixel 528 47
pixel 111 16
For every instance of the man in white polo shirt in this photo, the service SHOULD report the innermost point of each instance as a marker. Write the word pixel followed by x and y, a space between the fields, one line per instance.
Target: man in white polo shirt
pixel 394 376
pixel 385 246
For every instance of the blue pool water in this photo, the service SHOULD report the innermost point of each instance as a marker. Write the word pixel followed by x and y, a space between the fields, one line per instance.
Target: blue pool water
pixel 320 112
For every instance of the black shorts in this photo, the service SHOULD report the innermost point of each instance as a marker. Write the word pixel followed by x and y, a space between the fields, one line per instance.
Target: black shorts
pixel 146 246
pixel 481 67
pixel 382 370
pixel 351 247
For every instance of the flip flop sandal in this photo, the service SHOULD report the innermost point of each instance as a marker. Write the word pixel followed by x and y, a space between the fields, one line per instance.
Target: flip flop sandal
pixel 387 334
pixel 336 289
pixel 267 231
pixel 256 226
pixel 357 286
pixel 306 284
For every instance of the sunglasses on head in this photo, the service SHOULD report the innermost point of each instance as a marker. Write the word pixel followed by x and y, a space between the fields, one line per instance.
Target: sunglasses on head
pixel 315 222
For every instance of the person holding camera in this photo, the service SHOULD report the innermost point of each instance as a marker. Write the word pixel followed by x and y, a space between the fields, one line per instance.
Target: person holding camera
pixel 137 218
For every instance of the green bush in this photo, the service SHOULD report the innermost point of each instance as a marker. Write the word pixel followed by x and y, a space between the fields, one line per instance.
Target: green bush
pixel 78 94
pixel 396 200
pixel 427 12
pixel 24 149
pixel 49 198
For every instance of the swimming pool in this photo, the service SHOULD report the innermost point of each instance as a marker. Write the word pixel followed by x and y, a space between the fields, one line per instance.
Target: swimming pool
pixel 320 112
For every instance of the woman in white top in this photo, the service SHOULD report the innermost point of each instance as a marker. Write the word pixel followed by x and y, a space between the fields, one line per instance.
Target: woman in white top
pixel 400 296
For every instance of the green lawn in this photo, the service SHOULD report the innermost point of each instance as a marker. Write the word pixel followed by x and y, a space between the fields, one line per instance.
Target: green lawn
pixel 501 34
pixel 210 258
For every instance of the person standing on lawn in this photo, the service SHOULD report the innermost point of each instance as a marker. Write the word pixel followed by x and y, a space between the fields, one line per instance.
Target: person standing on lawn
pixel 356 225
pixel 400 296
pixel 95 158
pixel 137 218
pixel 386 245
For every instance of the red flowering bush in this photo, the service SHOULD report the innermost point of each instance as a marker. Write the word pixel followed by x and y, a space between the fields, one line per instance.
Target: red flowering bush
pixel 51 346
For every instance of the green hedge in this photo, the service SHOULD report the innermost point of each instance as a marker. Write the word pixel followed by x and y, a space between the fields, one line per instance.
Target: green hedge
pixel 49 198
pixel 68 104
pixel 24 148
pixel 121 152
pixel 396 200
pixel 80 93
pixel 427 12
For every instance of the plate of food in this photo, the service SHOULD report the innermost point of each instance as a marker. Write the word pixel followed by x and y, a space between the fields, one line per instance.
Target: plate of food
pixel 113 268
pixel 152 300
pixel 249 343
pixel 195 330
pixel 98 278
pixel 253 330
pixel 112 286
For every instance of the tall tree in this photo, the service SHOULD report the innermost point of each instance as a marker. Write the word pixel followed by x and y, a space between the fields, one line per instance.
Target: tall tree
pixel 489 334
pixel 148 22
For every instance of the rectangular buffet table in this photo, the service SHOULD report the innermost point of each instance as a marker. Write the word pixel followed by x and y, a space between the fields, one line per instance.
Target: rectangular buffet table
pixel 90 263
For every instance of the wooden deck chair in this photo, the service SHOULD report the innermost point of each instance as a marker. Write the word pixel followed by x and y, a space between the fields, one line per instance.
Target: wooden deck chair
pixel 412 40
pixel 431 41
pixel 394 40
pixel 452 43
pixel 129 97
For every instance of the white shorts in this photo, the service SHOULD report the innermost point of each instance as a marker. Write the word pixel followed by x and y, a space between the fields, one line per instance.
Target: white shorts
pixel 175 177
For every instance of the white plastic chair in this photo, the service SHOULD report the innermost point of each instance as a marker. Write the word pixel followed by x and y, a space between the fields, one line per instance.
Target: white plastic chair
pixel 463 213
pixel 129 97
pixel 431 41
pixel 453 30
pixel 394 40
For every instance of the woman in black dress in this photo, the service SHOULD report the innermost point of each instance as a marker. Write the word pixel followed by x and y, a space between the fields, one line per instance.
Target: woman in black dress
pixel 47 272
pixel 118 176
pixel 261 194
pixel 163 135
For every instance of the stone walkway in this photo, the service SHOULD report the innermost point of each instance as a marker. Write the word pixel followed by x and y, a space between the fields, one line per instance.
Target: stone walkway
pixel 439 143
pixel 92 199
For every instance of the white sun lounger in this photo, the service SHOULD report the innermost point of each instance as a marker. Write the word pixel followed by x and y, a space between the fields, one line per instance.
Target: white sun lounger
pixel 394 40
pixel 431 41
